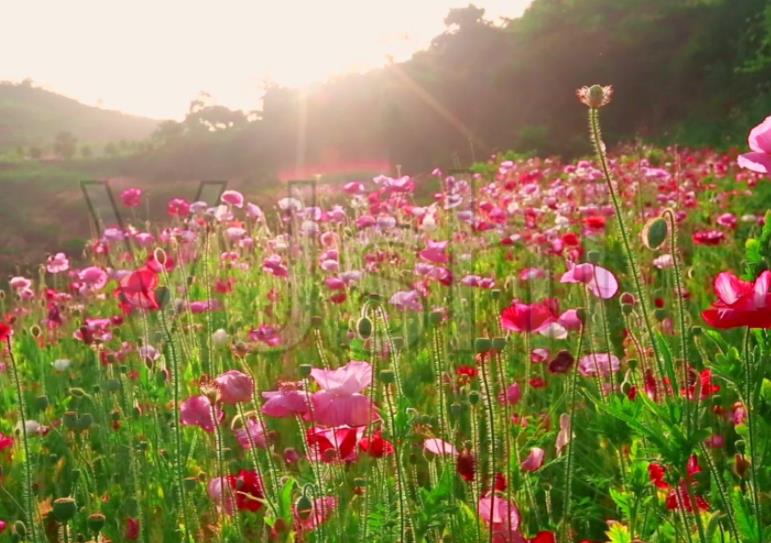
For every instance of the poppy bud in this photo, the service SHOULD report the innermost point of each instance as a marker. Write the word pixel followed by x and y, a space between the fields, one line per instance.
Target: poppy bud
pixel 64 509
pixel 19 528
pixel 742 465
pixel 304 507
pixel 34 330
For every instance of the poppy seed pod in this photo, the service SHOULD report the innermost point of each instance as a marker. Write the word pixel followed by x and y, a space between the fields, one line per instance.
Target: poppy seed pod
pixel 317 321
pixel 387 376
pixel 64 509
pixel 482 345
pixel 304 370
pixel 499 343
pixel 96 522
pixel 474 397
pixel 593 256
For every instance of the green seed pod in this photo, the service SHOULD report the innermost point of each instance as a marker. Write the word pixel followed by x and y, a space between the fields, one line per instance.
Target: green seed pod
pixel 70 420
pixel 593 256
pixel 495 293
pixel 41 402
pixel 304 507
pixel 364 327
pixel 64 509
pixel 499 343
pixel 456 409
pixel 112 385
pixel 482 344
pixel 627 309
pixel 660 314
pixel 387 376
pixel 162 296
pixel 632 363
pixel 359 481
pixel 304 370
pixel 696 331
pixel 190 483
pixel 85 421
pixel 654 233
pixel 435 317
pixel 398 342
pixel 19 528
pixel 474 397
pixel 96 522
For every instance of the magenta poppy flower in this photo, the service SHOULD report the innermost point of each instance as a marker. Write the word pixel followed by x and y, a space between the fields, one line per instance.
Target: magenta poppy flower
pixel 288 401
pixel 232 197
pixel 234 387
pixel 3 526
pixel 521 317
pixel 340 401
pixel 137 291
pixel 197 411
pixel 93 278
pixel 435 252
pixel 131 197
pixel 759 160
pixel 598 280
pixel 740 303
pixel 6 442
pixel 178 207
pixel 333 444
pixel 267 334
pixel 708 237
pixel 306 520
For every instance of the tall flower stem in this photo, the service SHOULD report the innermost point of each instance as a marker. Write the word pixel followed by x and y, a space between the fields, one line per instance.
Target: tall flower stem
pixel 599 148
pixel 570 451
pixel 29 503
pixel 750 408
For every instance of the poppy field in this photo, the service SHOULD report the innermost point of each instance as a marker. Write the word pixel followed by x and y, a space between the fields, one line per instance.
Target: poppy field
pixel 530 351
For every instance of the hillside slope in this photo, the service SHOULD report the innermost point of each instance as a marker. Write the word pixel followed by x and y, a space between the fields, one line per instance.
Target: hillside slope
pixel 31 116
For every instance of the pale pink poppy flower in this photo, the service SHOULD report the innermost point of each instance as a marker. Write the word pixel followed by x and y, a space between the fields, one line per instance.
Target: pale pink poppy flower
pixel 93 278
pixel 234 233
pixel 94 329
pixel 290 205
pixel 131 197
pixel 539 355
pixel 234 387
pixel 232 197
pixel 215 489
pixel 664 261
pixel 144 239
pixel 365 221
pixel 439 447
pixel 531 273
pixel 534 460
pixel 253 211
pixel 20 283
pixel 759 160
pixel 598 364
pixel 502 517
pixel 565 434
pixel 320 512
pixel 598 280
pixel 340 401
pixel 267 334
pixel 204 306
pixel 57 263
pixel 197 411
pixel 328 239
pixel 408 300
pixel 288 401
pixel 252 432
pixel 273 265
pixel 113 234
pixel 354 187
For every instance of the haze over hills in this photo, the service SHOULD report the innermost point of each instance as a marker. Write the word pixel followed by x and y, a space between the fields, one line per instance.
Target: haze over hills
pixel 32 116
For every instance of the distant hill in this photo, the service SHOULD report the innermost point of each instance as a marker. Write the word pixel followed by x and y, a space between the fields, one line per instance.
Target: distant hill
pixel 31 116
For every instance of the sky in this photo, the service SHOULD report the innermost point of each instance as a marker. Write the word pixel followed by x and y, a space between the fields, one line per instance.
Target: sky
pixel 152 57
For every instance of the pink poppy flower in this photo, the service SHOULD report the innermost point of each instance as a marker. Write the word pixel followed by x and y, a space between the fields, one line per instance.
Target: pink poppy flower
pixel 708 237
pixel 93 278
pixel 534 460
pixel 203 306
pixel 273 265
pixel 521 317
pixel 759 160
pixel 288 401
pixel 565 434
pixel 131 197
pixel 267 334
pixel 232 197
pixel 252 432
pixel 57 263
pixel 598 280
pixel 502 517
pixel 727 220
pixel 3 526
pixel 740 303
pixel 439 447
pixel 512 395
pixel 340 401
pixel 321 509
pixel 197 411
pixel 234 387
pixel 598 364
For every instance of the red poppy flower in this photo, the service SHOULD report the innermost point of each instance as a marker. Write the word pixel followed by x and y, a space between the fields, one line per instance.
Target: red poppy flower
pixel 521 317
pixel 466 465
pixel 137 291
pixel 376 446
pixel 5 331
pixel 740 303
pixel 708 237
